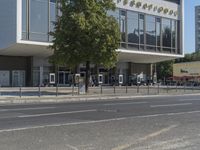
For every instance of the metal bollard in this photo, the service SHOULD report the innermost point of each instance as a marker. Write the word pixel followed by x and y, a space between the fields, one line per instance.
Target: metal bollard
pixel 0 89
pixel 148 89
pixel 158 89
pixel 126 89
pixel 138 88
pixel 184 87
pixel 56 90
pixel 176 88
pixel 114 89
pixel 20 91
pixel 39 91
pixel 167 88
pixel 101 89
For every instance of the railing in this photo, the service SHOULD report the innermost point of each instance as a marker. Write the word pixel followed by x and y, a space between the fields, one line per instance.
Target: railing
pixel 56 91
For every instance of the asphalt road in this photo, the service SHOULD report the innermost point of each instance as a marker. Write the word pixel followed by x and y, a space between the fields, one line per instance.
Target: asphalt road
pixel 156 123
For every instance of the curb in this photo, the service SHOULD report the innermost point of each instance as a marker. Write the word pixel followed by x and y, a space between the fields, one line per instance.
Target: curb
pixel 32 100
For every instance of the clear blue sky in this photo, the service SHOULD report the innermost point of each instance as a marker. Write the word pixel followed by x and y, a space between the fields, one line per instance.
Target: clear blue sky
pixel 190 25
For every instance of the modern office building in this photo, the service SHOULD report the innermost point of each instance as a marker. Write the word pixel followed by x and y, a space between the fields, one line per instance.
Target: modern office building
pixel 151 31
pixel 197 28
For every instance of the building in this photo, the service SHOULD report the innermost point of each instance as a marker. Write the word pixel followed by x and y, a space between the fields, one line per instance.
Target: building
pixel 186 71
pixel 197 28
pixel 151 31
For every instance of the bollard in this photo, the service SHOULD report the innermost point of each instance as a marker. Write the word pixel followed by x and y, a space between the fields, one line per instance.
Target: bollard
pixel 158 88
pixel 56 90
pixel 167 88
pixel 148 89
pixel 101 89
pixel 192 87
pixel 0 89
pixel 126 89
pixel 176 87
pixel 138 88
pixel 78 88
pixel 184 87
pixel 114 89
pixel 39 91
pixel 73 90
pixel 20 91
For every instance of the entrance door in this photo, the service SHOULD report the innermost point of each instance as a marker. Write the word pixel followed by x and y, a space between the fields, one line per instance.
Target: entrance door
pixel 63 78
pixel 4 78
pixel 18 78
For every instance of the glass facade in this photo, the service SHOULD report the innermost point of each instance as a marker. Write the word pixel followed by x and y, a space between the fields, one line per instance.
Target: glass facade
pixel 138 31
pixel 37 19
pixel 147 32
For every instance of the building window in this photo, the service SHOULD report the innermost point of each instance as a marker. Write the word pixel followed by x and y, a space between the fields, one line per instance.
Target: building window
pixel 52 16
pixel 133 30
pixel 174 35
pixel 150 32
pixel 39 20
pixel 123 28
pixel 158 34
pixel 24 19
pixel 141 30
pixel 166 34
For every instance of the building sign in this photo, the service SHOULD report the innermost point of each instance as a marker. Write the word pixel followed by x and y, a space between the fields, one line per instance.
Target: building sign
pixel 52 78
pixel 188 69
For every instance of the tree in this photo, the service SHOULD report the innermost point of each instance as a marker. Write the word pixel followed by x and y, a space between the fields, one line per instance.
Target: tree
pixel 165 69
pixel 84 33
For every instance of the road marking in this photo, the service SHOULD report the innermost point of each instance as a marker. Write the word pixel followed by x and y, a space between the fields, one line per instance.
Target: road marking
pixel 58 113
pixel 128 103
pixel 170 105
pixel 183 100
pixel 157 133
pixel 18 109
pixel 98 121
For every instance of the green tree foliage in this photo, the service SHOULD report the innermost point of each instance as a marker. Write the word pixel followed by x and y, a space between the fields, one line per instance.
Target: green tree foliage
pixel 165 69
pixel 84 33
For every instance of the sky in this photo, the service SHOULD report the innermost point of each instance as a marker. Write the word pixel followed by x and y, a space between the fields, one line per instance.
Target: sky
pixel 190 25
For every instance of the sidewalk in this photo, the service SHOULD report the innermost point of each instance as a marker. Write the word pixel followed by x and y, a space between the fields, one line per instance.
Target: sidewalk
pixel 78 98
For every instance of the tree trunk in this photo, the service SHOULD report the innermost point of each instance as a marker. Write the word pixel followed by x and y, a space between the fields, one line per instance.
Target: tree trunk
pixel 87 76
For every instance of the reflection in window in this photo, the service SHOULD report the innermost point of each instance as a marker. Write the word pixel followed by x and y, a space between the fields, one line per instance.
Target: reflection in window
pixel 39 25
pixel 123 27
pixel 166 33
pixel 150 32
pixel 24 19
pixel 158 33
pixel 52 16
pixel 141 30
pixel 133 27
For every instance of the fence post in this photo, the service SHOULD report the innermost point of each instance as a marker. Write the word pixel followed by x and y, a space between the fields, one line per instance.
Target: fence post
pixel 20 91
pixel 39 91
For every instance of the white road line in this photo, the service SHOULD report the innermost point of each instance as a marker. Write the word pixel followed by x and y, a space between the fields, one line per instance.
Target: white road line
pixel 33 108
pixel 128 103
pixel 170 105
pixel 99 121
pixel 183 100
pixel 58 113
